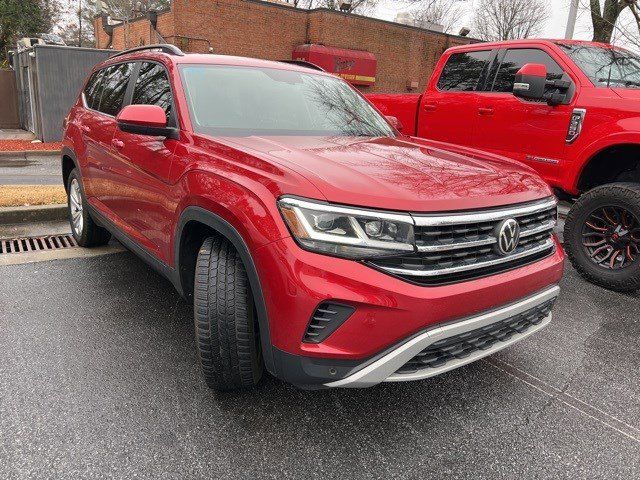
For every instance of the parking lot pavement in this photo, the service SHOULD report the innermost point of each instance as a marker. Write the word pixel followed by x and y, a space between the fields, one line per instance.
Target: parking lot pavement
pixel 100 379
pixel 34 169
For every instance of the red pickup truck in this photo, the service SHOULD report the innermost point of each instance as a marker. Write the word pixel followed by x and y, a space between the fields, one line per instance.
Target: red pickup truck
pixel 568 109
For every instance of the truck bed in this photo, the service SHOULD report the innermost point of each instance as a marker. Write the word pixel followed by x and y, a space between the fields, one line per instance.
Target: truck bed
pixel 403 106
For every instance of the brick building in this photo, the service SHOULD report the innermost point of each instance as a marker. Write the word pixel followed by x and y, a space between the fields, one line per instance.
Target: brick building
pixel 405 55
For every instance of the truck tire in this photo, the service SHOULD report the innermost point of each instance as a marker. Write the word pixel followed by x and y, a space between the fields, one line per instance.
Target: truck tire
pixel 85 231
pixel 602 236
pixel 225 317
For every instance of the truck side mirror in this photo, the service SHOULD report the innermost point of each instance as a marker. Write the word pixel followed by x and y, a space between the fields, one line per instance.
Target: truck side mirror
pixel 395 123
pixel 531 81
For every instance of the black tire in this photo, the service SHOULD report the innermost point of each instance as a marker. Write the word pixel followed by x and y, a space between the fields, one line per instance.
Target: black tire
pixel 87 233
pixel 620 195
pixel 226 326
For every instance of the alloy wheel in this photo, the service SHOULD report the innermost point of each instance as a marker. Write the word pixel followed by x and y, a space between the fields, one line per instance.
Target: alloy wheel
pixel 611 237
pixel 75 207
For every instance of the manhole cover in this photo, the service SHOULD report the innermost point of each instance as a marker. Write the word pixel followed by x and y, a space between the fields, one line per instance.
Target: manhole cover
pixel 36 244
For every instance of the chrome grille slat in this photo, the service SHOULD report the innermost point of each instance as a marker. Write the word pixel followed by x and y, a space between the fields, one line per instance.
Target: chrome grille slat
pixel 462 246
pixel 484 216
pixel 471 265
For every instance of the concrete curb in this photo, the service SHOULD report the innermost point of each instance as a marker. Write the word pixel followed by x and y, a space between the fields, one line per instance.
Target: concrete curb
pixel 23 154
pixel 36 213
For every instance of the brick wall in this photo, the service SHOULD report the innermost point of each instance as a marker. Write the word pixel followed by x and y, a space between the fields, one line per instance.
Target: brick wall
pixel 265 30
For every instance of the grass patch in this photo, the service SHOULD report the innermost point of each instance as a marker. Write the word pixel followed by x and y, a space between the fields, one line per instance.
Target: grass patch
pixel 23 195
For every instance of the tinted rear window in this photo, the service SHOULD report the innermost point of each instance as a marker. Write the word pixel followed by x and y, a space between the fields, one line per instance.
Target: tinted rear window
pixel 92 90
pixel 463 71
pixel 114 87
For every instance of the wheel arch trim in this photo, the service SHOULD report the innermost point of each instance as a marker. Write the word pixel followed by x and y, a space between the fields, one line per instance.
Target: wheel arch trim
pixel 67 152
pixel 228 231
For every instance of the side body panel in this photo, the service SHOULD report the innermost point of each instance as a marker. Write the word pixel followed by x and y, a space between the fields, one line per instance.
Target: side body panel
pixel 402 106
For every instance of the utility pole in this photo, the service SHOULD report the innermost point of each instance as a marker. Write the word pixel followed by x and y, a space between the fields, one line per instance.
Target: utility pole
pixel 79 23
pixel 571 22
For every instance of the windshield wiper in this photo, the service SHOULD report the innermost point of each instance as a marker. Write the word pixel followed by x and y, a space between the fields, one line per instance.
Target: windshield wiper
pixel 627 83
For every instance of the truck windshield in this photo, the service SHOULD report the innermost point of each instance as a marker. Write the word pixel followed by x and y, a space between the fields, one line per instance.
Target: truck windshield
pixel 606 67
pixel 244 101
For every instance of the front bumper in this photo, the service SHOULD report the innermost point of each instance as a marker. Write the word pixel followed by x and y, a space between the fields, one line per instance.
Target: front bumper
pixel 385 368
pixel 389 312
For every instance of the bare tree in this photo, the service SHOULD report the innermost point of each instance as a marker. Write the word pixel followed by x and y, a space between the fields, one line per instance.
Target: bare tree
pixel 357 6
pixel 604 18
pixel 614 21
pixel 440 12
pixel 509 19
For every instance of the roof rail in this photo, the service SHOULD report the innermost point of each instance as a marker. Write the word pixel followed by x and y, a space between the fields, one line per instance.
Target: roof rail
pixel 303 63
pixel 163 47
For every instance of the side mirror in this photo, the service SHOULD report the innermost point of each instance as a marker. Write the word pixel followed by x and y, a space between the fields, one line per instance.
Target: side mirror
pixel 145 120
pixel 531 81
pixel 395 123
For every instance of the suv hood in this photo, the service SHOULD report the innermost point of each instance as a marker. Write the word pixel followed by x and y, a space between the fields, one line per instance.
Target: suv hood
pixel 397 174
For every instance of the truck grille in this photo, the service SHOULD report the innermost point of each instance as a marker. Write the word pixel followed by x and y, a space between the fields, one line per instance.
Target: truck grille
pixel 461 346
pixel 463 246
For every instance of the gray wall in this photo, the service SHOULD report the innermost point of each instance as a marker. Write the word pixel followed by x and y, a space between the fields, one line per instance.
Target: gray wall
pixel 57 75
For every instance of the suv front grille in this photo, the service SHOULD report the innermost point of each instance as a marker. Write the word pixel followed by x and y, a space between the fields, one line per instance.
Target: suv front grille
pixel 462 246
pixel 461 346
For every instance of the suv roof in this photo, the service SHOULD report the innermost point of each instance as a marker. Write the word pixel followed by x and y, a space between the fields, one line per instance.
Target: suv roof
pixel 172 54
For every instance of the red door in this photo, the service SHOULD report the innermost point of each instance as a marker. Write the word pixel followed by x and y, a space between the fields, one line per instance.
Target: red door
pixel 530 132
pixel 99 127
pixel 144 196
pixel 448 111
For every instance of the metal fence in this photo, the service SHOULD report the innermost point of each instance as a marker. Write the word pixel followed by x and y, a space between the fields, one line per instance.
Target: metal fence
pixel 49 78
pixel 8 100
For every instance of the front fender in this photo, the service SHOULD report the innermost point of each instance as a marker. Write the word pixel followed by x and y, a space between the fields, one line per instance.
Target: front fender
pixel 227 230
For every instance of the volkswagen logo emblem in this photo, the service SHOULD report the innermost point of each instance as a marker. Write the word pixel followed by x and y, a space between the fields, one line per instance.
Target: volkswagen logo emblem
pixel 508 233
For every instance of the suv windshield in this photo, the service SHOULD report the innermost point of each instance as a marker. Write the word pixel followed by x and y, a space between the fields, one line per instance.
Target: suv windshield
pixel 606 66
pixel 243 101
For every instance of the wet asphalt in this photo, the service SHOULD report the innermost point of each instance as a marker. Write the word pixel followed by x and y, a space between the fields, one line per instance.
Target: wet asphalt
pixel 99 379
pixel 32 169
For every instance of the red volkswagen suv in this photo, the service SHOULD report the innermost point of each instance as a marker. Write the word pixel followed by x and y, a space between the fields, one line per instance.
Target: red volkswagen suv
pixel 313 239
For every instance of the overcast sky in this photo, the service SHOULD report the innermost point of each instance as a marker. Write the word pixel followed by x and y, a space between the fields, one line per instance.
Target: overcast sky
pixel 555 28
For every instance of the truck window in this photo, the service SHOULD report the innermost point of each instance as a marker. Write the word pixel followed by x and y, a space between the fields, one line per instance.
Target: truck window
pixel 515 59
pixel 463 71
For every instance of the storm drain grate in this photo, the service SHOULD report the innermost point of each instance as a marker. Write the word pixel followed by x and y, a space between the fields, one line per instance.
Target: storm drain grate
pixel 36 244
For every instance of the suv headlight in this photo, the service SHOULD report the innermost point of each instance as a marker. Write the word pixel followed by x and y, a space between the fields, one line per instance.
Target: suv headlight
pixel 347 232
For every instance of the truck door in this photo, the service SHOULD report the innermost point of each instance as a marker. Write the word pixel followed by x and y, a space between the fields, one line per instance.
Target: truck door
pixel 447 112
pixel 531 132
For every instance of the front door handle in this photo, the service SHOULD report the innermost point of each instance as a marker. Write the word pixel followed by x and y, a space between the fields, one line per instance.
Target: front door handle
pixel 485 111
pixel 429 107
pixel 117 143
pixel 85 128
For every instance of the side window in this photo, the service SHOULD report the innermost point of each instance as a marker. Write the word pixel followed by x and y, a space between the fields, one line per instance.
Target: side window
pixel 92 90
pixel 463 71
pixel 153 88
pixel 515 59
pixel 114 87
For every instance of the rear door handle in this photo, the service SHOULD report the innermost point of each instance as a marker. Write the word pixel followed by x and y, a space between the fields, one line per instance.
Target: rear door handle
pixel 85 128
pixel 117 143
pixel 429 107
pixel 485 111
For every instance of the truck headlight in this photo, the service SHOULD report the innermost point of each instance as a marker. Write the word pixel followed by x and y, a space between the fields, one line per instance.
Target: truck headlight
pixel 347 232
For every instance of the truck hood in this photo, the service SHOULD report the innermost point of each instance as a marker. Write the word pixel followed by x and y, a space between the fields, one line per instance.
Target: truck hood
pixel 628 93
pixel 398 174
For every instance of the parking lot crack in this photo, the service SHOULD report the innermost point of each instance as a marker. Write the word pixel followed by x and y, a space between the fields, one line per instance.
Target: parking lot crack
pixel 610 421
